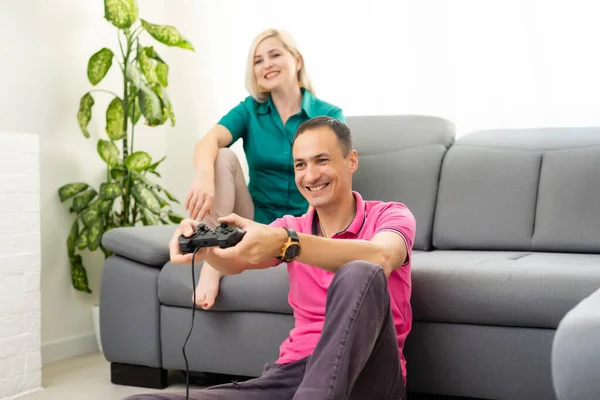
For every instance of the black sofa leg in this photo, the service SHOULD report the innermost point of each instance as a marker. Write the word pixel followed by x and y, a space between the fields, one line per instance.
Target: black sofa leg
pixel 137 375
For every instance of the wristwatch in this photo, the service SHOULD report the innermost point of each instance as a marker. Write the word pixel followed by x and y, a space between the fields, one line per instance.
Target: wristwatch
pixel 291 248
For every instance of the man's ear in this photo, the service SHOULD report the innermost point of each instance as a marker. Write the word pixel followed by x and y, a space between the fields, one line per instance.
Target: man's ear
pixel 353 158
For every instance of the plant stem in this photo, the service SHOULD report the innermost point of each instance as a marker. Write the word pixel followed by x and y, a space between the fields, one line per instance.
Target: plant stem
pixel 127 180
pixel 132 124
pixel 120 44
pixel 137 33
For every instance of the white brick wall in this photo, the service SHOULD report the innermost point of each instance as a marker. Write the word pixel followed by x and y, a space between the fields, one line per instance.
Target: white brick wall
pixel 20 357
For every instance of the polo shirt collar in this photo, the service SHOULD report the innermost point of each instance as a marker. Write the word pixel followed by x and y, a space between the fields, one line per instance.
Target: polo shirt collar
pixel 308 104
pixel 357 222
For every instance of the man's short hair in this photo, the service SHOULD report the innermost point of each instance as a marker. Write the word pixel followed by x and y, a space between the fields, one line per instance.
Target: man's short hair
pixel 340 129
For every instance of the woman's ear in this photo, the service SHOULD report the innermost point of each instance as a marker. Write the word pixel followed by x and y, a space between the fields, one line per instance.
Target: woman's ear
pixel 299 63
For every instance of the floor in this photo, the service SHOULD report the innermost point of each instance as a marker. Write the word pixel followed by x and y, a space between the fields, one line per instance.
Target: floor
pixel 87 377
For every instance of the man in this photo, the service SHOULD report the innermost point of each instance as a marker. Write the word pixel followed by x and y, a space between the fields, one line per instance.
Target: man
pixel 348 262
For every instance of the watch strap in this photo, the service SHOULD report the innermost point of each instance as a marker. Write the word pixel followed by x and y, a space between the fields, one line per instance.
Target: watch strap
pixel 292 234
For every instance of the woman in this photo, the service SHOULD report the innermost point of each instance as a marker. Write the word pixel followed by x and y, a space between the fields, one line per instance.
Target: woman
pixel 281 98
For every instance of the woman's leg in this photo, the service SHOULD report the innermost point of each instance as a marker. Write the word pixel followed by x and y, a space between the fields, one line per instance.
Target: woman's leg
pixel 231 196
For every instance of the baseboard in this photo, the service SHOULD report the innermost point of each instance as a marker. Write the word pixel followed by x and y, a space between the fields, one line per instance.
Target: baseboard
pixel 69 347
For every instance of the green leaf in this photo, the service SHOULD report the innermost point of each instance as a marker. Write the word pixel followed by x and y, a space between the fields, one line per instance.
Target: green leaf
pixel 81 201
pixel 148 218
pixel 154 173
pixel 82 240
pixel 79 275
pixel 67 191
pixel 162 69
pixel 162 73
pixel 121 13
pixel 95 232
pixel 99 64
pixel 151 107
pixel 163 202
pixel 84 115
pixel 147 67
pixel 115 118
pixel 169 195
pixel 146 198
pixel 175 218
pixel 167 34
pixel 106 206
pixel 138 161
pixel 89 216
pixel 72 239
pixel 135 76
pixel 156 164
pixel 134 111
pixel 108 152
pixel 150 103
pixel 150 52
pixel 110 191
pixel 167 108
pixel 117 173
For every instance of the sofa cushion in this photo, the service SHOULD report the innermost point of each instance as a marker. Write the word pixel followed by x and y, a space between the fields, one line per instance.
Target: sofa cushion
pixel 399 160
pixel 253 290
pixel 515 289
pixel 145 244
pixel 568 211
pixel 486 199
pixel 520 189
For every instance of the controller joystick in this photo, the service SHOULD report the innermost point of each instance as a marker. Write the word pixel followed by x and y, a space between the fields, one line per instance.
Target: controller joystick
pixel 223 236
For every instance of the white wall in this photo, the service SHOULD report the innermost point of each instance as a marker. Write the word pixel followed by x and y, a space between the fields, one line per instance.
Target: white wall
pixel 20 359
pixel 480 63
pixel 44 51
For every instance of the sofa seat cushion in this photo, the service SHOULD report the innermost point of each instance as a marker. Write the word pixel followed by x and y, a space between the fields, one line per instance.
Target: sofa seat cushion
pixel 254 290
pixel 517 289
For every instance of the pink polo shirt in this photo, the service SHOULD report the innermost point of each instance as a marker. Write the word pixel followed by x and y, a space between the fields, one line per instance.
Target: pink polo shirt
pixel 308 285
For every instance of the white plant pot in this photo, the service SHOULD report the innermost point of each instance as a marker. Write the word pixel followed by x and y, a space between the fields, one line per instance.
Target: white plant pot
pixel 96 319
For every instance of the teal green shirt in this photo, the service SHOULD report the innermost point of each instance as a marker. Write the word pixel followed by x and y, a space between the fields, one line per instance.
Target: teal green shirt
pixel 268 148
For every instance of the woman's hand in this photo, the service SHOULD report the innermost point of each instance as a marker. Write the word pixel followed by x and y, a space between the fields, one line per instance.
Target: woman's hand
pixel 187 227
pixel 199 200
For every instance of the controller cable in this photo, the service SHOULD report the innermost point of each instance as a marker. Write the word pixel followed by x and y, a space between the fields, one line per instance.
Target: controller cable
pixel 187 368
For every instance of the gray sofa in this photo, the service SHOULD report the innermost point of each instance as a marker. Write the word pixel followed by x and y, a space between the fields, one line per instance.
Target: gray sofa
pixel 507 244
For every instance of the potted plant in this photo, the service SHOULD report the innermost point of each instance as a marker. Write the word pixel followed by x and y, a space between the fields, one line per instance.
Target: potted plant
pixel 128 196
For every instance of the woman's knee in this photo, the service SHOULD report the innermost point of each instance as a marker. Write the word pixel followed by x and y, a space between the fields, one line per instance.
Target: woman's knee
pixel 226 158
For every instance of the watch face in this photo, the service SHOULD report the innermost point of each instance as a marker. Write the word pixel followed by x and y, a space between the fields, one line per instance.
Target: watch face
pixel 292 252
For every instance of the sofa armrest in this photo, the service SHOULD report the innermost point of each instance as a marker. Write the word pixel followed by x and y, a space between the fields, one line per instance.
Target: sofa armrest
pixel 576 352
pixel 147 245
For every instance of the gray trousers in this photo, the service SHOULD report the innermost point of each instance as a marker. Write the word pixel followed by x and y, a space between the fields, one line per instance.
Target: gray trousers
pixel 356 357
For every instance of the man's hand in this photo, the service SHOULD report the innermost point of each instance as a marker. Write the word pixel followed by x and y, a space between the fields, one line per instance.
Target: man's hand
pixel 260 243
pixel 187 227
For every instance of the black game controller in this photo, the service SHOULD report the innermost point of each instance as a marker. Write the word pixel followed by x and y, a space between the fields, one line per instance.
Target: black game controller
pixel 223 236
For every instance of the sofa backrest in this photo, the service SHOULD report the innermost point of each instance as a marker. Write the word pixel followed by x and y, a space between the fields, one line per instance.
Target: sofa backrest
pixel 399 159
pixel 525 189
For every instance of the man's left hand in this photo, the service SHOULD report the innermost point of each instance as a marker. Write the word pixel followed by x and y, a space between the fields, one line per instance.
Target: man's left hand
pixel 260 243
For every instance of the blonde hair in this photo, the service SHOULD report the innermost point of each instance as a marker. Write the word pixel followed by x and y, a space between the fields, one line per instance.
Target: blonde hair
pixel 290 45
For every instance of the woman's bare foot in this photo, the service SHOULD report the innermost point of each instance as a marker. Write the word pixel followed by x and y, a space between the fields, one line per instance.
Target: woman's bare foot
pixel 207 289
